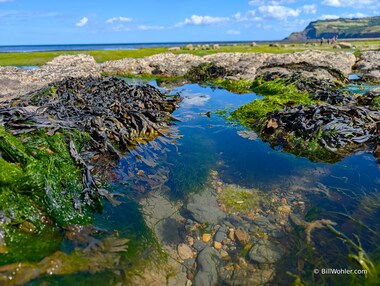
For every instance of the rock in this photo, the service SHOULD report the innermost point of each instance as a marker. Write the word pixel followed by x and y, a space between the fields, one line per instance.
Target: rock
pixel 15 81
pixel 206 237
pixel 215 47
pixel 277 233
pixel 284 210
pixel 173 49
pixel 261 221
pixel 184 251
pixel 377 152
pixel 217 245
pixel 231 234
pixel 345 45
pixel 221 234
pixel 189 47
pixel 265 252
pixel 253 44
pixel 205 214
pixel 199 245
pixel 247 66
pixel 204 208
pixel 224 254
pixel 190 240
pixel 369 65
pixel 242 236
pixel 208 262
pixel 275 45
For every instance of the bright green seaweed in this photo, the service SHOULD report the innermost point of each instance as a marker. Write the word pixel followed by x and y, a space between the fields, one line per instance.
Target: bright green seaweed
pixel 277 95
pixel 39 182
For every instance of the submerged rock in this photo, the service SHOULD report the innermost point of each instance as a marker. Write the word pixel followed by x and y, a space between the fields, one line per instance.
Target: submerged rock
pixel 204 208
pixel 207 267
pixel 265 252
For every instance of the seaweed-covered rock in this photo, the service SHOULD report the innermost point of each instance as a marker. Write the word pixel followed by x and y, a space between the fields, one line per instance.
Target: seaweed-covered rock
pixel 334 128
pixel 48 137
pixel 108 108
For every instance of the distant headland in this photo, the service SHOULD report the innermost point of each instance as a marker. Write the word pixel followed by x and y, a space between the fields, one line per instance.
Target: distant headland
pixel 343 28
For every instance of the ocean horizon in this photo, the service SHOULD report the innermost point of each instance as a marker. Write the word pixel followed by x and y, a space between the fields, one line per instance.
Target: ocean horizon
pixel 112 46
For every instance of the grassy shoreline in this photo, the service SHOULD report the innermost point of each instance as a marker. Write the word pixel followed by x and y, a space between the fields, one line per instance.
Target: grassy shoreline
pixel 40 58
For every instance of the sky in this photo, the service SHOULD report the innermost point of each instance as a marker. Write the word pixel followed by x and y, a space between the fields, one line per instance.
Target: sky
pixel 34 22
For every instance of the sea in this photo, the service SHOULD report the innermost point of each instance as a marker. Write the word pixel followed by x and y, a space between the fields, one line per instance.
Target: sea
pixel 87 47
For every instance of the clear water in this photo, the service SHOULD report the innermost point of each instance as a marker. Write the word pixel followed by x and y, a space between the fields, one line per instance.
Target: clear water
pixel 199 143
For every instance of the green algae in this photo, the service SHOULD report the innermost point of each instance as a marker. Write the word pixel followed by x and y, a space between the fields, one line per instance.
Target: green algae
pixel 277 95
pixel 239 199
pixel 235 86
pixel 39 182
pixel 375 102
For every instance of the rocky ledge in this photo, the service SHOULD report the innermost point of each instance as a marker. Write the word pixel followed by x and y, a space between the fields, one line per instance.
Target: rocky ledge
pixel 247 66
pixel 369 65
pixel 16 81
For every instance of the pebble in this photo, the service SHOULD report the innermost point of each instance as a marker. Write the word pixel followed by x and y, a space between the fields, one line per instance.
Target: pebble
pixel 231 234
pixel 206 237
pixel 242 236
pixel 184 251
pixel 199 245
pixel 224 254
pixel 190 240
pixel 221 234
pixel 284 201
pixel 188 283
pixel 217 245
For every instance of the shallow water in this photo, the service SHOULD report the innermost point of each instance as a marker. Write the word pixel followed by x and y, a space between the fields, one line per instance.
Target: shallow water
pixel 202 140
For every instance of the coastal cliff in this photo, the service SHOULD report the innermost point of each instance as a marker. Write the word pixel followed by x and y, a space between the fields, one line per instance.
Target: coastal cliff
pixel 368 27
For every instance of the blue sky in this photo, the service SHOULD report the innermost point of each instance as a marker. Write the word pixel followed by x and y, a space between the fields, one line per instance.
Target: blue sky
pixel 131 21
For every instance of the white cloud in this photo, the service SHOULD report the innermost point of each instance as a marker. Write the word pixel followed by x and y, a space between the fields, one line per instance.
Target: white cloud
pixel 147 28
pixel 233 32
pixel 118 19
pixel 203 20
pixel 349 3
pixel 309 9
pixel 328 17
pixel 120 28
pixel 273 2
pixel 356 15
pixel 239 17
pixel 82 22
pixel 278 12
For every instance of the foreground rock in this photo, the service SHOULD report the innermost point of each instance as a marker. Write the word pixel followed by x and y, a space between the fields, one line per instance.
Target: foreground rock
pixel 369 65
pixel 15 81
pixel 248 66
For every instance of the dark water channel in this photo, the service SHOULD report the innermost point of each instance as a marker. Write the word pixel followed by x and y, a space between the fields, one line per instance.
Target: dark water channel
pixel 347 192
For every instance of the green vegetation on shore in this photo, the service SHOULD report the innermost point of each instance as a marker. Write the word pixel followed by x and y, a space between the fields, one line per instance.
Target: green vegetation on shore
pixel 40 58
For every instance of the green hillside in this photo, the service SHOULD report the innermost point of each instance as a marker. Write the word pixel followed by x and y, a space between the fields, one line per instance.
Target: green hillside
pixel 368 27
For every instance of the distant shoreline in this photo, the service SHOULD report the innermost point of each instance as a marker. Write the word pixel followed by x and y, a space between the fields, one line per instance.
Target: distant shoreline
pixel 134 46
